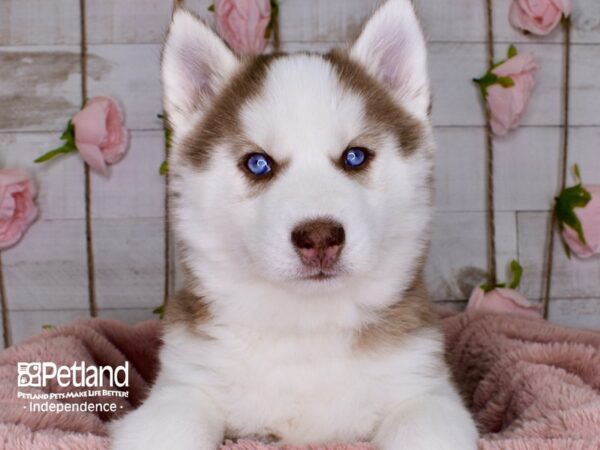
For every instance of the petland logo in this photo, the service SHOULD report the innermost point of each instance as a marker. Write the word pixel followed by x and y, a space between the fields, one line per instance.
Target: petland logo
pixel 39 374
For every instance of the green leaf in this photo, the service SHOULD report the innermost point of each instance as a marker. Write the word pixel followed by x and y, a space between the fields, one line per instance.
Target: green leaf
pixel 490 287
pixel 570 218
pixel 506 82
pixel 577 173
pixel 490 79
pixel 211 8
pixel 168 133
pixel 274 8
pixel 159 311
pixel 566 247
pixel 576 196
pixel 486 81
pixel 487 287
pixel 168 138
pixel 48 326
pixel 274 14
pixel 67 148
pixel 69 131
pixel 69 134
pixel 569 199
pixel 517 272
pixel 164 168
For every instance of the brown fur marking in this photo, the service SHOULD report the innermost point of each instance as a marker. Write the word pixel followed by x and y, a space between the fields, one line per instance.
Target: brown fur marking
pixel 185 307
pixel 413 312
pixel 382 110
pixel 221 121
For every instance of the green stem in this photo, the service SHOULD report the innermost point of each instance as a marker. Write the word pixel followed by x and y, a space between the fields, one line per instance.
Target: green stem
pixel 67 148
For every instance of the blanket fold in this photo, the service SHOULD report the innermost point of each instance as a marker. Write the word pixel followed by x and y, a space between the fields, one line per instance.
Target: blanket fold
pixel 530 384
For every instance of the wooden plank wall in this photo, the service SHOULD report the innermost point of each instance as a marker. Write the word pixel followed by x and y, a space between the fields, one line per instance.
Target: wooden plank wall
pixel 46 276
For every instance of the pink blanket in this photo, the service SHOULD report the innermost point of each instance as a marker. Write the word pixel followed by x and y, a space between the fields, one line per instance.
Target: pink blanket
pixel 530 385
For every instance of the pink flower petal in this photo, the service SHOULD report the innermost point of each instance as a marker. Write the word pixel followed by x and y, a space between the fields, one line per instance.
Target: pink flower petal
pixel 566 6
pixel 13 176
pixel 243 23
pixel 505 301
pixel 538 16
pixel 575 245
pixel 500 104
pixel 115 152
pixel 100 135
pixel 17 208
pixel 90 124
pixel 92 155
pixel 507 104
pixel 521 63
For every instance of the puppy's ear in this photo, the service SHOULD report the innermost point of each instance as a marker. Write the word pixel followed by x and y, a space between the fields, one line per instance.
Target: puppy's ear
pixel 196 64
pixel 392 48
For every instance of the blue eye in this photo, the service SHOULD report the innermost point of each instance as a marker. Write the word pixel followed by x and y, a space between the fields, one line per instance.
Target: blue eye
pixel 258 164
pixel 355 157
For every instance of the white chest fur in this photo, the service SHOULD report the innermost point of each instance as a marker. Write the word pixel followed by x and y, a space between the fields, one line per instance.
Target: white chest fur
pixel 296 386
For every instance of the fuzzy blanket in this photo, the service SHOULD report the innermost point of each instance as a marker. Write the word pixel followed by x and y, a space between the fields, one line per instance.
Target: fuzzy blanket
pixel 530 384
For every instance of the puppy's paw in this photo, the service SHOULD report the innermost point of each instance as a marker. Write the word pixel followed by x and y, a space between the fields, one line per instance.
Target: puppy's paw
pixel 149 429
pixel 432 423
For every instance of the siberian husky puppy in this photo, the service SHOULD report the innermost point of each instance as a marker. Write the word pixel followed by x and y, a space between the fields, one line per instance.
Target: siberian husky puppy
pixel 301 189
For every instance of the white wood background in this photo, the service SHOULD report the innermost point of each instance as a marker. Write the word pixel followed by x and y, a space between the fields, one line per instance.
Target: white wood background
pixel 45 276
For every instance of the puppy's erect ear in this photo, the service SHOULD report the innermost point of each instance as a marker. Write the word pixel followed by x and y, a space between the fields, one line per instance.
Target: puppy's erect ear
pixel 392 48
pixel 196 64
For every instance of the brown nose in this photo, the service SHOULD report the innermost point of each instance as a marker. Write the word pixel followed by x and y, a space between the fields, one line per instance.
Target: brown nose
pixel 319 242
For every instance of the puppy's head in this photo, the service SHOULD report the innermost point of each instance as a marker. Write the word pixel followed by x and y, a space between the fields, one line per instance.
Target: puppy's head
pixel 304 173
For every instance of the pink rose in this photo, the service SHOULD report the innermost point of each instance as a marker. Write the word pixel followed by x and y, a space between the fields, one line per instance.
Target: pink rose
pixel 507 104
pixel 538 16
pixel 17 209
pixel 503 300
pixel 243 24
pixel 100 135
pixel 589 216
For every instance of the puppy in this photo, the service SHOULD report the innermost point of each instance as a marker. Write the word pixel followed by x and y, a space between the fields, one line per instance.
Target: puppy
pixel 301 189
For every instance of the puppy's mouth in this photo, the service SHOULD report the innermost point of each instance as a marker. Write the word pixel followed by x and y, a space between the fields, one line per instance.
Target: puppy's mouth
pixel 320 276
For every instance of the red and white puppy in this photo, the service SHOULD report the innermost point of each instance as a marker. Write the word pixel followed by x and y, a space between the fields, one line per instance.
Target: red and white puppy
pixel 302 202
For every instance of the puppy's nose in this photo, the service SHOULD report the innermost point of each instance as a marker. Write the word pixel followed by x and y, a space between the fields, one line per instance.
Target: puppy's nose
pixel 319 242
